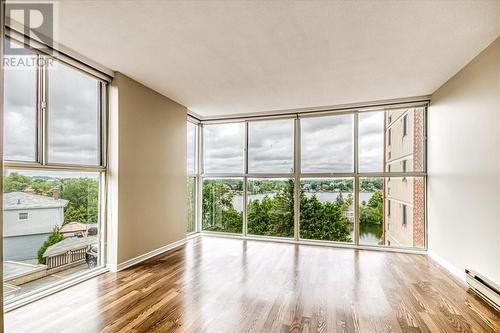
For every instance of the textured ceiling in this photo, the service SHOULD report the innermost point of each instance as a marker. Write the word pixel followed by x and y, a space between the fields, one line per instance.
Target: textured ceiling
pixel 221 58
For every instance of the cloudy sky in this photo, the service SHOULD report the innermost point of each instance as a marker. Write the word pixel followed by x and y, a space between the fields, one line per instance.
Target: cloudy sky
pixel 327 145
pixel 73 99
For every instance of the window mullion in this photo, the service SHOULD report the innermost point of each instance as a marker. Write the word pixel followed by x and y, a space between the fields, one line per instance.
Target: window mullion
pixel 356 180
pixel 43 105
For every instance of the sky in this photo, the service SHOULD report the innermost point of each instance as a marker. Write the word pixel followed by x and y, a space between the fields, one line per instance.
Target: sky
pixel 73 121
pixel 327 145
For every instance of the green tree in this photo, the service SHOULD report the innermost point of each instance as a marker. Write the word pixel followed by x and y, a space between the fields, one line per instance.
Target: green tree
pixel 15 182
pixel 217 204
pixel 372 211
pixel 190 203
pixel 83 197
pixel 54 238
pixel 325 221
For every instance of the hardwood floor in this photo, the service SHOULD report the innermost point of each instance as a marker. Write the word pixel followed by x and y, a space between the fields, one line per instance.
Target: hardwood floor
pixel 231 285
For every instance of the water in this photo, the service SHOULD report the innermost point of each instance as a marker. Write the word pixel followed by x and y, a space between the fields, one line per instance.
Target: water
pixel 369 234
pixel 322 196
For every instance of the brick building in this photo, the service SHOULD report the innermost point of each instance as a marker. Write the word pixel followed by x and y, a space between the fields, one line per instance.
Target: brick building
pixel 404 223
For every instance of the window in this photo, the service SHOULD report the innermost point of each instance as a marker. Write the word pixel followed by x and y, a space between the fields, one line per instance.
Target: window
pixel 20 110
pixel 327 209
pixel 271 207
pixel 270 146
pixel 191 204
pixel 224 147
pixel 331 207
pixel 223 205
pixel 191 184
pixel 51 219
pixel 192 138
pixel 327 144
pixel 406 216
pixel 371 141
pixel 73 116
pixel 43 213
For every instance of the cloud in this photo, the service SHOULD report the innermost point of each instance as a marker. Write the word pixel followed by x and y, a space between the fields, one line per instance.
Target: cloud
pixel 73 115
pixel 327 145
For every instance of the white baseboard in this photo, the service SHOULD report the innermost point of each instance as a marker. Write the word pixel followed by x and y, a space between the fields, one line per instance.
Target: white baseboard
pixel 458 273
pixel 134 261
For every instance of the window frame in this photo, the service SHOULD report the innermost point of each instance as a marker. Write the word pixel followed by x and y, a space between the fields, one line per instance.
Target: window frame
pixel 297 175
pixel 196 175
pixel 42 118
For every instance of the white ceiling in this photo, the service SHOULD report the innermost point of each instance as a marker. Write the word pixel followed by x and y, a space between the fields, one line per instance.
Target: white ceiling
pixel 221 58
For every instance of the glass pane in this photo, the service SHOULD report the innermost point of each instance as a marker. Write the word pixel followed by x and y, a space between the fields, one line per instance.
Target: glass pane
pixel 327 209
pixel 191 148
pixel 404 131
pixel 270 146
pixel 50 225
pixel 74 116
pixel 371 142
pixel 191 204
pixel 224 148
pixel 391 211
pixel 270 207
pixel 223 205
pixel 392 140
pixel 327 144
pixel 20 105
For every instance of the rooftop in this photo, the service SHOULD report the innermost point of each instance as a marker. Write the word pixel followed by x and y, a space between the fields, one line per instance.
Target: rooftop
pixel 21 200
pixel 69 244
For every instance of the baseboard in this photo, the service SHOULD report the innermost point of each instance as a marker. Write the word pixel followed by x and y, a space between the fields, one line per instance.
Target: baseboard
pixel 134 261
pixel 458 273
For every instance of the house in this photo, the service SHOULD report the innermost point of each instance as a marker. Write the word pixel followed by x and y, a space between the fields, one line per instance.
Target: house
pixel 27 221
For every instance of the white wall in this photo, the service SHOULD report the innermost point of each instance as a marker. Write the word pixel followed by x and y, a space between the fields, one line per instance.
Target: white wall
pixel 40 220
pixel 464 167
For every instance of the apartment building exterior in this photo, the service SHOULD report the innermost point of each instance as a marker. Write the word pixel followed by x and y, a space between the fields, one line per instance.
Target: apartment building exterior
pixel 404 223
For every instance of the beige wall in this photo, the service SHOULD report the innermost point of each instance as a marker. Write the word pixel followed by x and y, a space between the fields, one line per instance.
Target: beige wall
pixel 147 180
pixel 464 167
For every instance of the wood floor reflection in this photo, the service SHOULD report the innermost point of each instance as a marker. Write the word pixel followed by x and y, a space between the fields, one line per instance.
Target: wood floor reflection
pixel 231 285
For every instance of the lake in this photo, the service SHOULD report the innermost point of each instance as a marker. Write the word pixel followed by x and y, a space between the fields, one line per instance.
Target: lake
pixel 369 234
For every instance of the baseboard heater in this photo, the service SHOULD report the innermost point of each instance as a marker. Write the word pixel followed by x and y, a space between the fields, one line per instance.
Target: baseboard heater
pixel 485 288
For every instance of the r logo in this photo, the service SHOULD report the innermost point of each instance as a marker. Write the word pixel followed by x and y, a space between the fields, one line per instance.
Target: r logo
pixel 35 21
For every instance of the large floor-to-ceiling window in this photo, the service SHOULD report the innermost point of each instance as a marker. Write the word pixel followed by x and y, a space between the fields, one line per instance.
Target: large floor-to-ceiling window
pixel 54 171
pixel 352 177
pixel 192 176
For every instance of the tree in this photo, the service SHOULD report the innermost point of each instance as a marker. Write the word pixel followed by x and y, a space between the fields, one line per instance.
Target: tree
pixel 15 182
pixel 54 238
pixel 372 212
pixel 274 215
pixel 325 221
pixel 218 211
pixel 83 197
